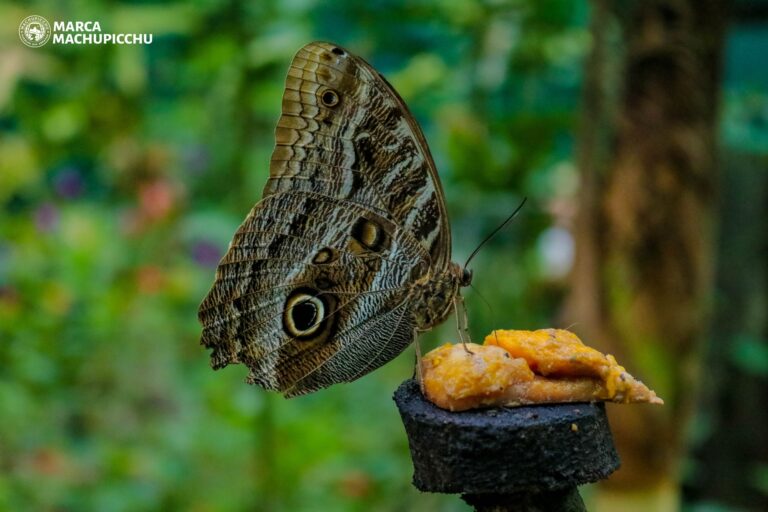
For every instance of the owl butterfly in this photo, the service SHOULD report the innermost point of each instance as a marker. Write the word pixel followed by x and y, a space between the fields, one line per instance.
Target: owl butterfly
pixel 347 255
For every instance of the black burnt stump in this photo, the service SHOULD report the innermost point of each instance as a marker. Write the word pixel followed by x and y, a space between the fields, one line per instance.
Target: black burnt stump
pixel 521 458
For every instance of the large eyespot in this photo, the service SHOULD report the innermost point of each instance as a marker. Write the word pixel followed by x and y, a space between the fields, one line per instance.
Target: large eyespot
pixel 303 314
pixel 369 234
pixel 337 51
pixel 329 97
pixel 306 313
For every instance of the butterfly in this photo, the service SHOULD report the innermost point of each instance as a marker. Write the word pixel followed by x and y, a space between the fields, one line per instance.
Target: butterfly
pixel 346 258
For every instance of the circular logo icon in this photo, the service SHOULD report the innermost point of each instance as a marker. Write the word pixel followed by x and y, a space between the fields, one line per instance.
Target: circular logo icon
pixel 34 31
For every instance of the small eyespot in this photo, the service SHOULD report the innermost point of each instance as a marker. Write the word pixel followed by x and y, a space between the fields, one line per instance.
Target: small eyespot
pixel 329 98
pixel 337 51
pixel 370 235
pixel 323 282
pixel 324 256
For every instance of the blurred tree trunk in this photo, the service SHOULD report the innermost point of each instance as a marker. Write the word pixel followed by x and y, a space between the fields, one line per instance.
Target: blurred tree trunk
pixel 730 456
pixel 642 275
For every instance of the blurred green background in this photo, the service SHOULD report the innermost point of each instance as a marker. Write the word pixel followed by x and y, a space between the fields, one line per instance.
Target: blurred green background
pixel 124 171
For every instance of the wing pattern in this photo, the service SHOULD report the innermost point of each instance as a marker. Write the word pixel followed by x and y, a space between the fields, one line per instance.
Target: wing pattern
pixel 317 286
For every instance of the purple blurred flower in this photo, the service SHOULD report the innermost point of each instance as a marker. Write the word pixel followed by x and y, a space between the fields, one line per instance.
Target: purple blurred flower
pixel 68 183
pixel 206 253
pixel 46 217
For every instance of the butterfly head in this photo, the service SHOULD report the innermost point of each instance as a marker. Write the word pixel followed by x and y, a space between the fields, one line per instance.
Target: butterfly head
pixel 460 275
pixel 466 277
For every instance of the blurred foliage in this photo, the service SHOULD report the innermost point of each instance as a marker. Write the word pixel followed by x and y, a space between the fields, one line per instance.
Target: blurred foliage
pixel 124 171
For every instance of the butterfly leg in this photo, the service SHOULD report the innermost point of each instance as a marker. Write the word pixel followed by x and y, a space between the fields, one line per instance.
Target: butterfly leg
pixel 419 371
pixel 461 321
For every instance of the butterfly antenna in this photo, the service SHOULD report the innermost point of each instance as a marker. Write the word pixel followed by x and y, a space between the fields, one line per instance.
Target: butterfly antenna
pixel 493 233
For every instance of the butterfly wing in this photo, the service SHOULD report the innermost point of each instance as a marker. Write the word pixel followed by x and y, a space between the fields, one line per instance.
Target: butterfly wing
pixel 345 132
pixel 316 285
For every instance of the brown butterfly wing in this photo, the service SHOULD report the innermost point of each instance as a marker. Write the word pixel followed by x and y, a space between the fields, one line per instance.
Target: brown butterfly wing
pixel 316 287
pixel 345 132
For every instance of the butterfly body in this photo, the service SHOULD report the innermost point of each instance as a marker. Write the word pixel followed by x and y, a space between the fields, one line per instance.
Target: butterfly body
pixel 347 255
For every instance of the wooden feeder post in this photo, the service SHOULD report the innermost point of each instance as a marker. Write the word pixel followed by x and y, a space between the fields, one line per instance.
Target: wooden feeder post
pixel 523 459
